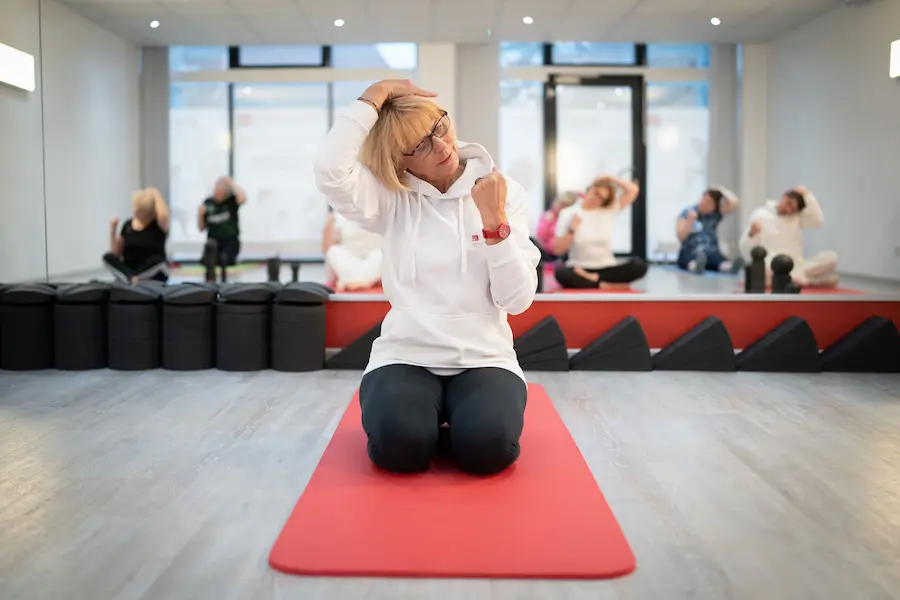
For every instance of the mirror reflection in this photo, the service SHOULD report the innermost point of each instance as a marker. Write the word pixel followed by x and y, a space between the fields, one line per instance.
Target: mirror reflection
pixel 646 167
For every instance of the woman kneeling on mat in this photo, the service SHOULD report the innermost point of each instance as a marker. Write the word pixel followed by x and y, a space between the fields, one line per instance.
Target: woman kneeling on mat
pixel 352 254
pixel 457 259
pixel 585 231
pixel 138 251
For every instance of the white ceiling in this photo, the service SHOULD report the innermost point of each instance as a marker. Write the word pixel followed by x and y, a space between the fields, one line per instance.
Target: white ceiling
pixel 232 22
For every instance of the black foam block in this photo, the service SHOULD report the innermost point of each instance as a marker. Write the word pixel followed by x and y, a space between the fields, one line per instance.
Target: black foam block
pixel 247 293
pixel 26 332
pixel 873 347
pixel 789 348
pixel 80 323
pixel 242 336
pixel 133 327
pixel 622 348
pixel 356 355
pixel 706 347
pixel 298 337
pixel 303 293
pixel 543 347
pixel 187 337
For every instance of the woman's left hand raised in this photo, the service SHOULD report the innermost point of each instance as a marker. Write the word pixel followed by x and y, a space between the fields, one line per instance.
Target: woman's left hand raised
pixel 489 195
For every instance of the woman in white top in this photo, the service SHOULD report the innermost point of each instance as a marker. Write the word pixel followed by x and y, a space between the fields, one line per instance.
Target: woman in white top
pixel 778 227
pixel 352 254
pixel 457 260
pixel 585 231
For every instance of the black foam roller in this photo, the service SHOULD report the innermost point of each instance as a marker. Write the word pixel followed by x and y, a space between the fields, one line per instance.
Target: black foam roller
pixel 543 347
pixel 706 347
pixel 622 348
pixel 789 348
pixel 356 355
pixel 133 336
pixel 242 337
pixel 298 337
pixel 872 347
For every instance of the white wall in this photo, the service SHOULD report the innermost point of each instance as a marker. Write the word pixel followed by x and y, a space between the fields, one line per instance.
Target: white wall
pixel 753 129
pixel 22 250
pixel 91 133
pixel 834 125
pixel 478 96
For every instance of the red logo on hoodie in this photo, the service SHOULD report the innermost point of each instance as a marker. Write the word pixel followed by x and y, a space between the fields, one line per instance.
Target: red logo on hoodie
pixel 475 238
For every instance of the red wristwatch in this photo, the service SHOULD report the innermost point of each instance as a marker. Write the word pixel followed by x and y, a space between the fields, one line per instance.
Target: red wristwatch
pixel 501 233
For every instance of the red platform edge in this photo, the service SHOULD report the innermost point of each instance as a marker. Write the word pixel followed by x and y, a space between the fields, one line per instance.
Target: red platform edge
pixel 663 321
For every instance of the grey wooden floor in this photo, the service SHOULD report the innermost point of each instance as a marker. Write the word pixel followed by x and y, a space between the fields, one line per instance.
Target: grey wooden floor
pixel 160 485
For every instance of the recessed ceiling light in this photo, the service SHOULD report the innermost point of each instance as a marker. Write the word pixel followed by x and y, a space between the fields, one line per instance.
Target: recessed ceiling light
pixel 527 20
pixel 716 21
pixel 154 24
pixel 338 22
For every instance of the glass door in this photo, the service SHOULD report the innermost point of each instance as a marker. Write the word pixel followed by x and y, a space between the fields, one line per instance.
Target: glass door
pixel 595 127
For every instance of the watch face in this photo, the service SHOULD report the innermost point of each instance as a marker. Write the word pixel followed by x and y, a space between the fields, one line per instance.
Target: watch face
pixel 504 231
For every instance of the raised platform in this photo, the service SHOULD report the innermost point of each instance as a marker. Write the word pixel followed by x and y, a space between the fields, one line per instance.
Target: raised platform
pixel 584 317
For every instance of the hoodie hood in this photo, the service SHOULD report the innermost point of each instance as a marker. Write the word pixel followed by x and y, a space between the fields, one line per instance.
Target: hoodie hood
pixel 478 163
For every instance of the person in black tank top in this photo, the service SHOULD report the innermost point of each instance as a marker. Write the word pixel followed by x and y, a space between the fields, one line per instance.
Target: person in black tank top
pixel 138 251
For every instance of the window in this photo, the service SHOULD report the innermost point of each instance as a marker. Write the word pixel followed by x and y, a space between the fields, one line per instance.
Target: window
pixel 593 53
pixel 198 154
pixel 522 140
pixel 677 148
pixel 375 56
pixel 681 56
pixel 278 129
pixel 280 56
pixel 197 58
pixel 521 54
pixel 344 93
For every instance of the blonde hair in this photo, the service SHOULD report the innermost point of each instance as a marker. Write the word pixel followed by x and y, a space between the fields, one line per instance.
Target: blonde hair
pixel 401 125
pixel 607 183
pixel 143 201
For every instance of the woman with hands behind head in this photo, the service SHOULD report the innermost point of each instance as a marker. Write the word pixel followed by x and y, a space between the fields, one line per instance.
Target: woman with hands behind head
pixel 456 260
pixel 138 251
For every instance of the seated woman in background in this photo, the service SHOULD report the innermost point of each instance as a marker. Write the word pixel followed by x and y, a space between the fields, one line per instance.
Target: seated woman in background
pixel 697 230
pixel 585 231
pixel 546 231
pixel 218 215
pixel 352 254
pixel 138 251
pixel 778 227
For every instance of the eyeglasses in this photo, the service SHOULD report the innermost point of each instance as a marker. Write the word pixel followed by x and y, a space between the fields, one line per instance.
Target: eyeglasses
pixel 425 147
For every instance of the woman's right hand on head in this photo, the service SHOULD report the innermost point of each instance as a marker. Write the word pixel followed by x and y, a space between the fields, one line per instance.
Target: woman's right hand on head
pixel 389 89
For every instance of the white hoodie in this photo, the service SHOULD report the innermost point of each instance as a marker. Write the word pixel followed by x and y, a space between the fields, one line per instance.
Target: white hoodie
pixel 781 234
pixel 450 293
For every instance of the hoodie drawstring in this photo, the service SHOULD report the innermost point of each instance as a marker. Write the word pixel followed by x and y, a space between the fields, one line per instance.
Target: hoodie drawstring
pixel 461 233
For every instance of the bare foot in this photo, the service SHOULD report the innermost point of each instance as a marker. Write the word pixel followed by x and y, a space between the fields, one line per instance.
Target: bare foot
pixel 358 285
pixel 587 274
pixel 605 285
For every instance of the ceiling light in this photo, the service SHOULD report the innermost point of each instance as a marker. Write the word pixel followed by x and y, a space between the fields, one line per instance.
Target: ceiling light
pixel 716 21
pixel 338 22
pixel 154 24
pixel 527 20
pixel 248 90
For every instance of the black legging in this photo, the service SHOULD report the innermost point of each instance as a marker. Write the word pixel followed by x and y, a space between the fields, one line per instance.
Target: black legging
pixel 157 270
pixel 404 406
pixel 629 270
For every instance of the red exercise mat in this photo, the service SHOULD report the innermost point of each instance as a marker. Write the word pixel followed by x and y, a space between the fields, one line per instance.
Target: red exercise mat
pixel 544 517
